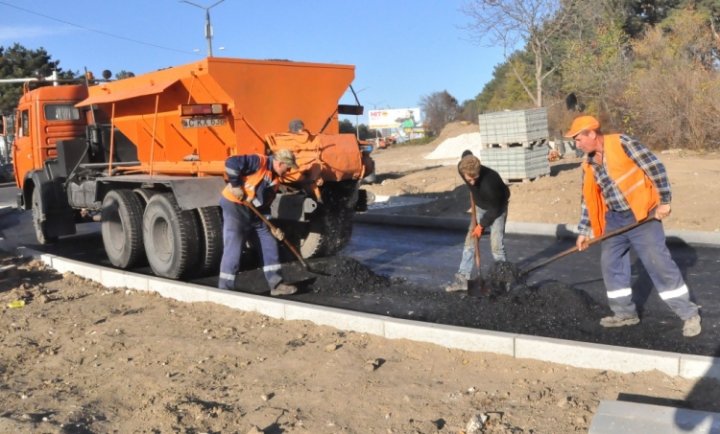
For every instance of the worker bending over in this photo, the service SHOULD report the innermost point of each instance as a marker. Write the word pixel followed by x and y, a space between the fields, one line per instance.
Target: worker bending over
pixel 490 196
pixel 252 179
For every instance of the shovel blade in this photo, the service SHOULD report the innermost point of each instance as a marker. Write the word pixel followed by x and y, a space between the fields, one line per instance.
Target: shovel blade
pixel 477 287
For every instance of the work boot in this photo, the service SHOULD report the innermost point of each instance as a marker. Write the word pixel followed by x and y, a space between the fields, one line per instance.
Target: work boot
pixel 459 284
pixel 283 289
pixel 619 321
pixel 692 326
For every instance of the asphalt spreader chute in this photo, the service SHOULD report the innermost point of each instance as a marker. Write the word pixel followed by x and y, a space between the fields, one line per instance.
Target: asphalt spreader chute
pixel 508 277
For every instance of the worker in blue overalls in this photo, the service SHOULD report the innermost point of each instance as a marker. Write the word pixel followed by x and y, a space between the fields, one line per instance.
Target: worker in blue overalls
pixel 252 179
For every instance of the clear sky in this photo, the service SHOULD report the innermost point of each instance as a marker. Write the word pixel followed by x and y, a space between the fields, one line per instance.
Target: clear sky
pixel 402 49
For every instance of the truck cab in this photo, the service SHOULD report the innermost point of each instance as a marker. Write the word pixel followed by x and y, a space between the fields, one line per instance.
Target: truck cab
pixel 42 119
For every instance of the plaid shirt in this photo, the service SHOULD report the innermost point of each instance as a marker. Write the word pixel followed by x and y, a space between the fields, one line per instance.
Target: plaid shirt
pixel 614 199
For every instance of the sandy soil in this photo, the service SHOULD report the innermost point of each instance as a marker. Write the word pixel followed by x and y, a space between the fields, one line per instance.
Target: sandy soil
pixel 76 357
pixel 549 199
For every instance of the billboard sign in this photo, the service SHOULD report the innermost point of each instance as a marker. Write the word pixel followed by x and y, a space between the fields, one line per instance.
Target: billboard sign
pixel 403 118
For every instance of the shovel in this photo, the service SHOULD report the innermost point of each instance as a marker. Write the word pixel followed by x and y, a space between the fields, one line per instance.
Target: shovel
pixel 285 241
pixel 519 276
pixel 477 283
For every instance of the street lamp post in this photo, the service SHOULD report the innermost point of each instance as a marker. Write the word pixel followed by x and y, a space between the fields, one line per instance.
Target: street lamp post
pixel 208 26
pixel 357 117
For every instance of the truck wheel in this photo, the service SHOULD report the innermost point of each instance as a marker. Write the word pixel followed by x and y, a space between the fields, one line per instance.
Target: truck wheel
pixel 211 250
pixel 37 217
pixel 339 224
pixel 170 236
pixel 122 219
pixel 328 232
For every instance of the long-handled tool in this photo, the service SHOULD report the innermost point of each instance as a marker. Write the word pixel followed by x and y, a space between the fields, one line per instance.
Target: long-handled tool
pixel 590 242
pixel 511 277
pixel 285 241
pixel 473 212
pixel 478 282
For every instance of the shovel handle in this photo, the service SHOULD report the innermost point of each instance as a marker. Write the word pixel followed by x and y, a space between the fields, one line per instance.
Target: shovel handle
pixel 472 228
pixel 272 228
pixel 590 242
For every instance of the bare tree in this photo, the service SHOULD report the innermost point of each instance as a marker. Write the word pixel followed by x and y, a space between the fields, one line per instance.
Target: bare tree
pixel 533 22
pixel 440 108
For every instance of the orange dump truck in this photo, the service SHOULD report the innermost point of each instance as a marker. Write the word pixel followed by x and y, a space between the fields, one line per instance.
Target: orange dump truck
pixel 145 156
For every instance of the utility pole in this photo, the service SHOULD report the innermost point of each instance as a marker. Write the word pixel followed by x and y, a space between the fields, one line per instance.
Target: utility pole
pixel 208 26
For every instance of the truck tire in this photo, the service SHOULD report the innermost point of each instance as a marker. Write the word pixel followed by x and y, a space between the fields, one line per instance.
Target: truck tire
pixel 170 236
pixel 329 230
pixel 144 194
pixel 122 228
pixel 211 249
pixel 38 221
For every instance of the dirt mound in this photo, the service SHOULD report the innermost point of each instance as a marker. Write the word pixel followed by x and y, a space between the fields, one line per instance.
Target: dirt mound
pixel 454 129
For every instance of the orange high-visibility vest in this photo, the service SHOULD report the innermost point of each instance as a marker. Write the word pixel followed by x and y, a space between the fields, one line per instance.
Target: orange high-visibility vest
pixel 252 181
pixel 638 189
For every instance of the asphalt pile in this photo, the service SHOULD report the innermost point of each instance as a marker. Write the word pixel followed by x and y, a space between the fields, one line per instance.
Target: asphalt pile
pixel 550 308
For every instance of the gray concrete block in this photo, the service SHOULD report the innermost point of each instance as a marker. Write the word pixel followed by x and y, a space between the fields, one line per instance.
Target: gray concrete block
pixel 621 417
pixel 113 278
pixel 338 318
pixel 177 290
pixel 64 265
pixel 450 336
pixel 247 302
pixel 595 356
pixel 692 366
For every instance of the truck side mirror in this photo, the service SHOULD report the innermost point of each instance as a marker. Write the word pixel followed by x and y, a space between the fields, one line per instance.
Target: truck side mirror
pixel 348 109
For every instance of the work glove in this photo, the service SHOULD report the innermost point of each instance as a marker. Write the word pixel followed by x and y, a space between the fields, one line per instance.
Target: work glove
pixel 238 192
pixel 477 232
pixel 278 233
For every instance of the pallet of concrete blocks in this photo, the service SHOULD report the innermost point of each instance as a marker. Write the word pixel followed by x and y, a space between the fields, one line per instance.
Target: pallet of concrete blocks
pixel 515 143
pixel 513 128
pixel 517 163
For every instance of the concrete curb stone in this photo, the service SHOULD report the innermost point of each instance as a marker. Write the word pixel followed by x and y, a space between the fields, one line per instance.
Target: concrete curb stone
pixel 559 231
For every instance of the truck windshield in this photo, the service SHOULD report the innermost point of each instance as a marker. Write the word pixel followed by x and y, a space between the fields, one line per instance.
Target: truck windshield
pixel 61 112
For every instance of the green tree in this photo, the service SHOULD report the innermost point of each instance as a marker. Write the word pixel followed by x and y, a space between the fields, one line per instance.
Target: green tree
pixel 646 13
pixel 19 62
pixel 597 65
pixel 505 91
pixel 536 23
pixel 124 74
pixel 469 111
pixel 346 126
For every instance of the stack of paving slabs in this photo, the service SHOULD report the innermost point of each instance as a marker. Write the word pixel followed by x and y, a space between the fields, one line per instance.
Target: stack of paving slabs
pixel 515 143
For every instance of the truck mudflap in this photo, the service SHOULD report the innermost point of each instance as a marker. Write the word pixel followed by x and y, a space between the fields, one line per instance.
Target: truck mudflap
pixel 51 214
pixel 293 207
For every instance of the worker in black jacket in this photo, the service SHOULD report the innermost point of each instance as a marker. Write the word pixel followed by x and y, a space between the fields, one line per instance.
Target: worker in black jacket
pixel 490 197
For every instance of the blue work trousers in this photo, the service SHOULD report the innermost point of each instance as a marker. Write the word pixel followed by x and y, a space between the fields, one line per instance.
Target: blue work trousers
pixel 238 222
pixel 497 243
pixel 648 242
